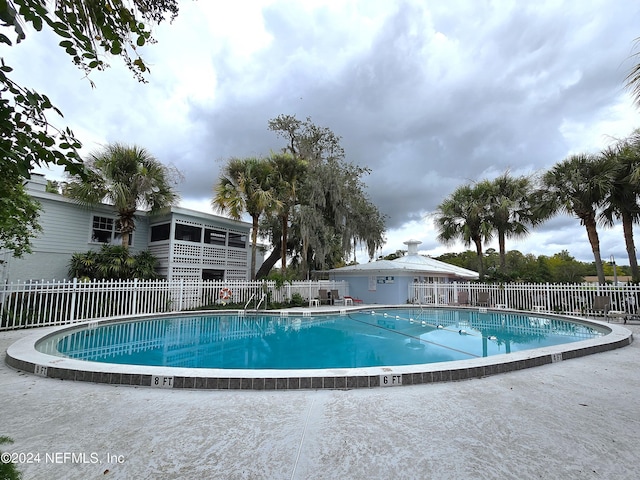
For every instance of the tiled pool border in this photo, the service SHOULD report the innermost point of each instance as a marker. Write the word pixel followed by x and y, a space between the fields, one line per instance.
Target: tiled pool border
pixel 22 355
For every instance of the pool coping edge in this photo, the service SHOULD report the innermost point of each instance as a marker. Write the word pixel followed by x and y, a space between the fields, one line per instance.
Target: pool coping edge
pixel 23 356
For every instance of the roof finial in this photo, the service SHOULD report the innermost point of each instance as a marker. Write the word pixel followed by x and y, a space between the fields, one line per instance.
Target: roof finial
pixel 412 246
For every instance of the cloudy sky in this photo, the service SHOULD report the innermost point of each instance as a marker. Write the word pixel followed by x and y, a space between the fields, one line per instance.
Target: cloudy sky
pixel 429 95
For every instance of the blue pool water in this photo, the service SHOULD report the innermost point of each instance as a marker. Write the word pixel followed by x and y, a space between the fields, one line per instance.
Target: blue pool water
pixel 355 339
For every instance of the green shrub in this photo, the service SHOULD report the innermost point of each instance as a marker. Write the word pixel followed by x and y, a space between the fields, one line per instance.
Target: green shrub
pixel 112 262
pixel 297 300
pixel 8 470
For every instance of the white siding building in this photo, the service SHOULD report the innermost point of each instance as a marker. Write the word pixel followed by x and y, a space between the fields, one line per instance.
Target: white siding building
pixel 187 243
pixel 195 245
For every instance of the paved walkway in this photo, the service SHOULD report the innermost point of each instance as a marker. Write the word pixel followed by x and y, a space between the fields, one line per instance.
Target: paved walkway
pixel 577 419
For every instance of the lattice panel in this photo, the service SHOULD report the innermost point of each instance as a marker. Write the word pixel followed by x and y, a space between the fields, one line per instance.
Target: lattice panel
pixel 237 263
pixel 187 253
pixel 186 273
pixel 237 258
pixel 236 274
pixel 213 255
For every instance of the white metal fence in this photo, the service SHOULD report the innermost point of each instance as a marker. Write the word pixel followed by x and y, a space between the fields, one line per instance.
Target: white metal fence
pixel 34 304
pixel 24 305
pixel 569 299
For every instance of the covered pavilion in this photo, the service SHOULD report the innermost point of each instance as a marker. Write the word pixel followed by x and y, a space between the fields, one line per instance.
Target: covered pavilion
pixel 387 281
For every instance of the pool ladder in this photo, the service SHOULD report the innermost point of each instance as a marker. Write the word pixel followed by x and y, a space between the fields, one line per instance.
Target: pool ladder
pixel 255 310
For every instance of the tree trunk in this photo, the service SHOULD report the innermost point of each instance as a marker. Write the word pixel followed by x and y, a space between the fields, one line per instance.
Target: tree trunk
pixel 270 261
pixel 125 240
pixel 627 227
pixel 305 263
pixel 254 247
pixel 285 231
pixel 355 260
pixel 126 219
pixel 478 243
pixel 592 233
pixel 503 252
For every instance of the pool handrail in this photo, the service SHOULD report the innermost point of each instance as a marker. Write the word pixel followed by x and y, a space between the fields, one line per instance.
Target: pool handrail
pixel 249 301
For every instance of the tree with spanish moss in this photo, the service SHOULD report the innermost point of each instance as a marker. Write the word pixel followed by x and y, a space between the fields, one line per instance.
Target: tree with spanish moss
pixel 333 213
pixel 289 174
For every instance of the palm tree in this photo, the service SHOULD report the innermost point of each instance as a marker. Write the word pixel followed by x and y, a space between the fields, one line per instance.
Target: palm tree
pixel 246 185
pixel 622 201
pixel 129 178
pixel 633 78
pixel 579 186
pixel 289 174
pixel 510 209
pixel 464 216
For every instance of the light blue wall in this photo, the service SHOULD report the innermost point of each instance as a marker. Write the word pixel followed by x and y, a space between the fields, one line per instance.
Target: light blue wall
pixel 385 293
pixel 66 229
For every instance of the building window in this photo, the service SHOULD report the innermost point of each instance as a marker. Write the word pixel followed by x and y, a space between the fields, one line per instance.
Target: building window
pixel 160 232
pixel 215 237
pixel 238 240
pixel 106 230
pixel 188 233
pixel 208 274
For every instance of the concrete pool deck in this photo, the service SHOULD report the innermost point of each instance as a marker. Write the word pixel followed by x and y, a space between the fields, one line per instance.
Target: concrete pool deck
pixel 573 419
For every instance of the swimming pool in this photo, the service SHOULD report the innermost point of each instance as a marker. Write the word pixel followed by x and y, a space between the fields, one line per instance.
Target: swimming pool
pixel 350 348
pixel 348 340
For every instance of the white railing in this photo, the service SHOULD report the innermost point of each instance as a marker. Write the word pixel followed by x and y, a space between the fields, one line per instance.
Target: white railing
pixel 46 303
pixel 569 299
pixel 30 304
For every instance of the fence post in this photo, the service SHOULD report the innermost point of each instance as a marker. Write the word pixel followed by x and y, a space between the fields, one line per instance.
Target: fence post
pixel 74 286
pixel 134 297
